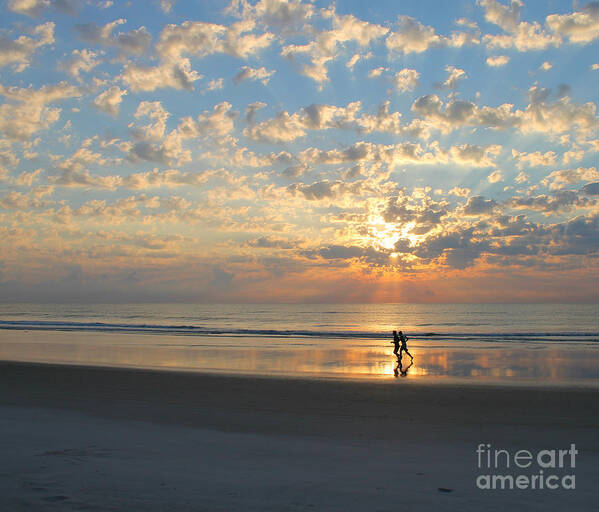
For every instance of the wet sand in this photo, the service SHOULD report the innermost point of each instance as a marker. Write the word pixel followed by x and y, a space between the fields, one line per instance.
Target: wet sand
pixel 84 438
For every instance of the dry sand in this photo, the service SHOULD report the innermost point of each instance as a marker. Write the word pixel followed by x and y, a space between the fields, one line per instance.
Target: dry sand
pixel 83 438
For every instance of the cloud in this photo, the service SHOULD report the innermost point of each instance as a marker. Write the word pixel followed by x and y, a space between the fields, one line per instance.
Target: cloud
pixel 324 46
pixel 503 16
pixel 110 100
pixel 455 75
pixel 561 201
pixel 215 84
pixel 535 159
pixel 252 109
pixel 201 39
pixel 287 127
pixel 80 60
pixel 134 42
pixel 216 122
pixel 406 80
pixel 412 36
pixel 193 38
pixel 497 61
pixel 518 34
pixel 460 191
pixel 449 116
pixel 557 117
pixel 283 15
pixel 177 75
pixel 27 110
pixel 82 178
pixel 495 176
pixel 247 73
pixel 581 27
pixel 36 7
pixel 540 115
pixel 478 205
pixel 559 179
pixel 167 5
pixel 18 52
pixel 591 189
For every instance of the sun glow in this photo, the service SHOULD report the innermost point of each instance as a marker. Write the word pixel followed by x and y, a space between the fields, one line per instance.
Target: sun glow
pixel 385 235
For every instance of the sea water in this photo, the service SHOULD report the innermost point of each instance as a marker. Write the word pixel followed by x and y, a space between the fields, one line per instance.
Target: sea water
pixel 541 343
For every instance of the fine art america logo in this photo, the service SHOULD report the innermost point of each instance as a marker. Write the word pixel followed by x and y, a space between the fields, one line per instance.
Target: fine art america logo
pixel 523 469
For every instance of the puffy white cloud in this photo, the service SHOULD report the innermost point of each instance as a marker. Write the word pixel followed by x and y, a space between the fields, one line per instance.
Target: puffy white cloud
pixel 285 127
pixel 134 42
pixel 478 205
pixel 534 159
pixel 27 112
pixel 355 58
pixel 200 39
pixel 406 80
pixel 501 15
pixel 192 38
pixel 460 191
pixel 177 75
pixel 325 45
pixel 36 7
pixel 215 84
pixel 167 5
pixel 216 122
pixel 580 27
pixel 497 61
pixel 376 72
pixel 284 15
pixel 528 36
pixel 80 60
pixel 456 113
pixel 557 117
pixel 519 34
pixel 28 7
pixel 546 66
pixel 110 100
pixel 412 36
pixel 455 75
pixel 495 176
pixel 540 115
pixel 559 179
pixel 248 73
pixel 18 52
pixel 469 154
pixel 521 178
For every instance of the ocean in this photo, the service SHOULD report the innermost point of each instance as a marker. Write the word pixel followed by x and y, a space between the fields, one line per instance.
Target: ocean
pixel 544 343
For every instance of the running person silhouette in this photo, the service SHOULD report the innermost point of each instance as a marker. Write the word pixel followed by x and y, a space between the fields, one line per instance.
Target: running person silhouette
pixel 404 345
pixel 396 342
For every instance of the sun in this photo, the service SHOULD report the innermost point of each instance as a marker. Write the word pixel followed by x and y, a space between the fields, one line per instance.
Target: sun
pixel 384 235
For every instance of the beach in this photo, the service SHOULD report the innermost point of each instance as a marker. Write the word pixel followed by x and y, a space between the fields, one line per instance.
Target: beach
pixel 90 438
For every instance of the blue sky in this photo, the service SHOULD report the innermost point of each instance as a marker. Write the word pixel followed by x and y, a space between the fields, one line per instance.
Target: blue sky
pixel 299 151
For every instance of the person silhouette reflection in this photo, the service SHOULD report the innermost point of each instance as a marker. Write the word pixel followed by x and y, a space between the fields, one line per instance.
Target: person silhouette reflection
pixel 399 369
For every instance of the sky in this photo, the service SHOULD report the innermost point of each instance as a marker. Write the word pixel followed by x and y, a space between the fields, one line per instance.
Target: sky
pixel 272 151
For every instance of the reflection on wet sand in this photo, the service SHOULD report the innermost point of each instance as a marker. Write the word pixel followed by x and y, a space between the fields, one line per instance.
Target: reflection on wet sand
pixel 340 358
pixel 400 369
